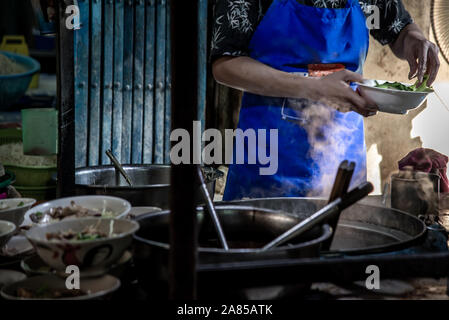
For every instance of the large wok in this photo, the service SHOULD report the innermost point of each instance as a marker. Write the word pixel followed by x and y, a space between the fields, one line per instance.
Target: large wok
pixel 247 229
pixel 151 183
pixel 361 229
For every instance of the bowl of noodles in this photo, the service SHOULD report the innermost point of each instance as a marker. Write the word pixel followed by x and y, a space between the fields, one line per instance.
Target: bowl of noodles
pixel 77 207
pixel 89 243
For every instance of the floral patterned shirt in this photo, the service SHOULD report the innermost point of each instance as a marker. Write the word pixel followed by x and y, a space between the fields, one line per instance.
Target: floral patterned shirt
pixel 236 20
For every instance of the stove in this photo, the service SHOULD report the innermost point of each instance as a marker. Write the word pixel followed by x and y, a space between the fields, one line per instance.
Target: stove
pixel 286 278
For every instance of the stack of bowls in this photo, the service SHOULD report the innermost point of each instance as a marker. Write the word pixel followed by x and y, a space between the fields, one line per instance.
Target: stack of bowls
pixel 94 256
pixel 32 181
pixel 12 212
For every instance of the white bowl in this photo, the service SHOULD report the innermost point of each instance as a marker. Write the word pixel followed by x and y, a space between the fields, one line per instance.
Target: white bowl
pixel 16 209
pixel 119 206
pixel 391 100
pixel 18 245
pixel 10 276
pixel 86 254
pixel 7 229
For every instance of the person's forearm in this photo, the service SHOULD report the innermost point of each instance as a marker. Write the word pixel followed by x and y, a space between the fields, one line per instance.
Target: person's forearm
pixel 247 74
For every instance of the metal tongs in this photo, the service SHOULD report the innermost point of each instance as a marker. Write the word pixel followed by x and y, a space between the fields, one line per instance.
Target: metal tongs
pixel 211 209
pixel 119 167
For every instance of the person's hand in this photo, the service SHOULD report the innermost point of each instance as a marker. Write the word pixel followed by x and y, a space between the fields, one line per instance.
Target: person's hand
pixel 334 90
pixel 421 55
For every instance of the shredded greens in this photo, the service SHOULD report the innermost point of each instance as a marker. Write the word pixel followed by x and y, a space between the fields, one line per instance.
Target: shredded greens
pixel 399 86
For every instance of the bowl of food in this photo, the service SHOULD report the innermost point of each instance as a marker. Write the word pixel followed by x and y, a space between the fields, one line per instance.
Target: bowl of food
pixel 89 243
pixel 51 287
pixel 13 210
pixel 7 230
pixel 77 207
pixel 395 97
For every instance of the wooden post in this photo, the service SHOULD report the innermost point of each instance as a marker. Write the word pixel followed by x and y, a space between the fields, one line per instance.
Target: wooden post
pixel 66 104
pixel 183 237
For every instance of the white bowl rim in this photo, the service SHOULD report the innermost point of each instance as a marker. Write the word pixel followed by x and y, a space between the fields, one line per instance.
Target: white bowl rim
pixel 10 224
pixel 25 205
pixel 134 227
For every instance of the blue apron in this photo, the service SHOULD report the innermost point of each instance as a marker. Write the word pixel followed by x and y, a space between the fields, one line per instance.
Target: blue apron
pixel 312 138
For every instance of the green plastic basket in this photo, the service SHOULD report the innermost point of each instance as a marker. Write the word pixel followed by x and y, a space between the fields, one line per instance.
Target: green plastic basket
pixel 32 176
pixel 38 193
pixel 10 135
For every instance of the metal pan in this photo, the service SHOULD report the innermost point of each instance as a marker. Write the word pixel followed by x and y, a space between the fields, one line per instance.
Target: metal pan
pixel 151 183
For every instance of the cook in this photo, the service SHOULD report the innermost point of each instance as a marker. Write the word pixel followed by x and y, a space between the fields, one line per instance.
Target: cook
pixel 296 61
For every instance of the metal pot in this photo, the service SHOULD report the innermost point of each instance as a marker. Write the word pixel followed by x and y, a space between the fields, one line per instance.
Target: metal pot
pixel 151 183
pixel 415 192
pixel 247 229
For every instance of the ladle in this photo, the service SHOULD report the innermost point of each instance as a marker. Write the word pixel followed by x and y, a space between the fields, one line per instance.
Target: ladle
pixel 118 167
pixel 211 210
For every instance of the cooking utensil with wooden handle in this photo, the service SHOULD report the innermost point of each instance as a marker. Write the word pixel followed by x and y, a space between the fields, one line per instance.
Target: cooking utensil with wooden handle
pixel 340 187
pixel 118 167
pixel 323 214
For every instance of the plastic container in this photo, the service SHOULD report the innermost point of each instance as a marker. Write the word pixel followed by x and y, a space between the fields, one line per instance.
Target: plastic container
pixel 14 86
pixel 38 193
pixel 32 176
pixel 10 135
pixel 40 131
pixel 17 44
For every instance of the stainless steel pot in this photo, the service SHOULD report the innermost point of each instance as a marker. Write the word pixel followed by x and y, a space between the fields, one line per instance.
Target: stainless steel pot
pixel 151 183
pixel 415 192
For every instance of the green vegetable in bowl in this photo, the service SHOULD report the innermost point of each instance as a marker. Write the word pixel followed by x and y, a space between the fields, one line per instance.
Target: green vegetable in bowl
pixel 399 86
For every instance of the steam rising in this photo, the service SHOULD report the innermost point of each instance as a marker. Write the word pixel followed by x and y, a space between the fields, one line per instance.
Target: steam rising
pixel 331 141
pixel 415 192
